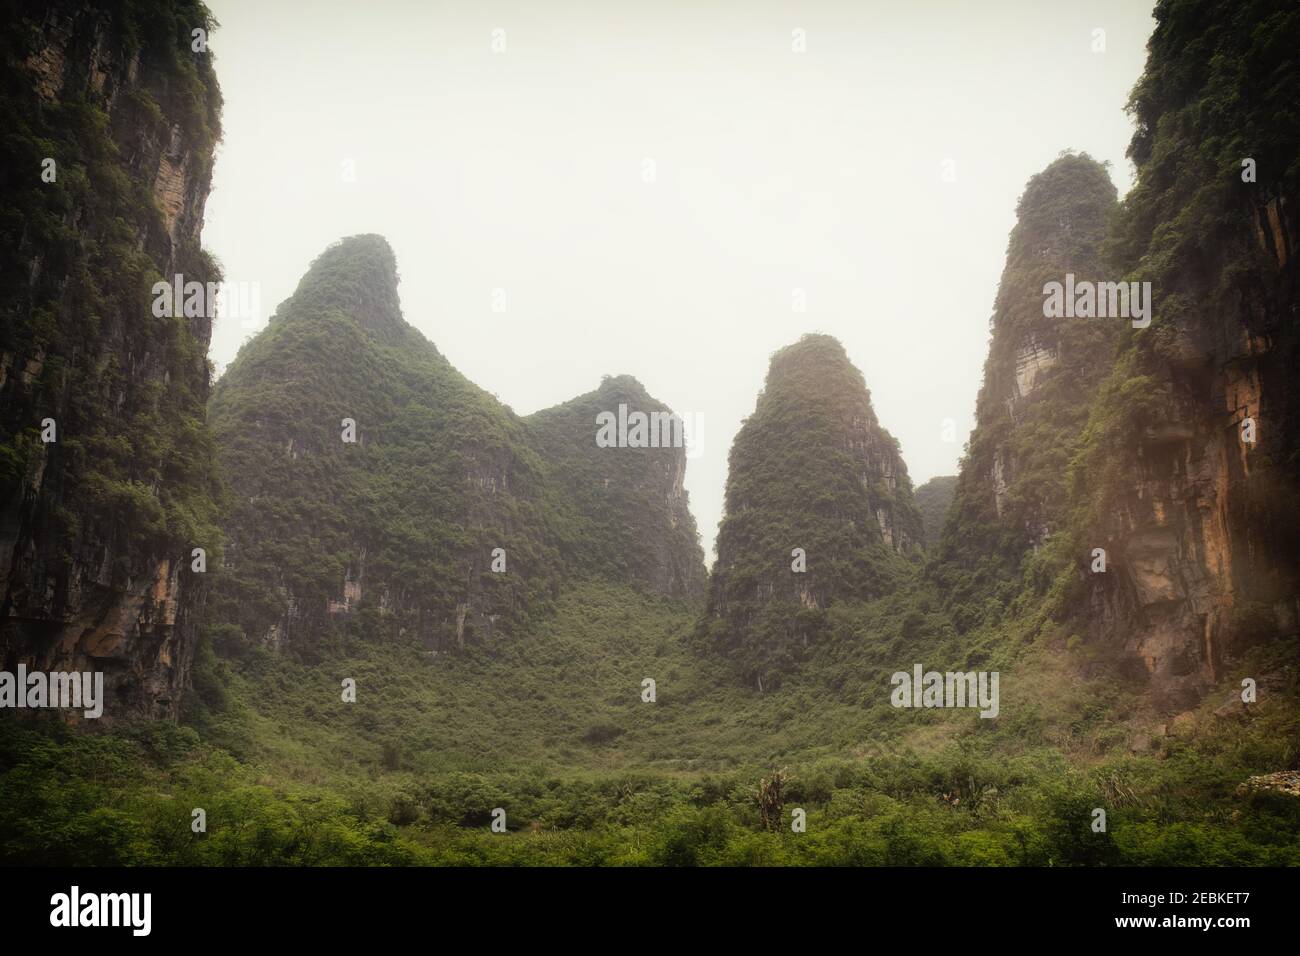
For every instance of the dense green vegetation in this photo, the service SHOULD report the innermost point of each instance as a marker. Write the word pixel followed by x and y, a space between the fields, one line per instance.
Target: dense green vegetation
pixel 552 728
pixel 391 510
pixel 632 514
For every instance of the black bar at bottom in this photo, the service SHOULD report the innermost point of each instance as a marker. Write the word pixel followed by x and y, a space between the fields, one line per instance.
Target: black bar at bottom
pixel 331 905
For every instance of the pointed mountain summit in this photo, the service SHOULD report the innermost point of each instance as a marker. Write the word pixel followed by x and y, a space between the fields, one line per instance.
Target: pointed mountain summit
pixel 818 509
pixel 373 482
pixel 1040 377
pixel 358 277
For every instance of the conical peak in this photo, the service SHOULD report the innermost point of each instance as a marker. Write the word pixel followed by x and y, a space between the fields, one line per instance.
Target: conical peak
pixel 356 276
pixel 1072 179
pixel 622 388
pixel 818 368
pixel 813 349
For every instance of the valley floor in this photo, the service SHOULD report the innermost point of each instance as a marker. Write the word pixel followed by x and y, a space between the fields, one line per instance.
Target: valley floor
pixel 552 729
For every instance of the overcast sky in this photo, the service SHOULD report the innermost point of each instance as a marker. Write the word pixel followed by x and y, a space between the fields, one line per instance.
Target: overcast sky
pixel 649 183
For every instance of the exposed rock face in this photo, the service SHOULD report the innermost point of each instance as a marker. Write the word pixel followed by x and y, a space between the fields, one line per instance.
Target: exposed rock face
pixel 1173 591
pixel 97 527
pixel 811 469
pixel 1287 782
pixel 1200 544
pixel 1031 362
pixel 1193 481
pixel 1039 379
pixel 448 519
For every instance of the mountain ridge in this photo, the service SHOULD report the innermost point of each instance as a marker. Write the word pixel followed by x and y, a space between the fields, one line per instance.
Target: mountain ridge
pixel 435 507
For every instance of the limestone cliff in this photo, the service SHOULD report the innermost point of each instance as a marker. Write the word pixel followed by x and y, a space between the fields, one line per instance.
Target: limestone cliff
pixel 1191 477
pixel 110 119
pixel 1142 475
pixel 1039 378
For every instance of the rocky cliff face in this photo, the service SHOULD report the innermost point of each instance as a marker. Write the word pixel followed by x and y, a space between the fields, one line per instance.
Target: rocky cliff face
pixel 105 468
pixel 818 509
pixel 1198 509
pixel 374 487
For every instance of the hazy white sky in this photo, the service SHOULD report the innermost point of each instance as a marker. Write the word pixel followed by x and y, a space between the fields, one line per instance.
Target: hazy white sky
pixel 525 170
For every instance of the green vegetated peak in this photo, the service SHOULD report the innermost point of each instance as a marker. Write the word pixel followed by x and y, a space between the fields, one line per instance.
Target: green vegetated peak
pixel 357 276
pixel 818 509
pixel 622 386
